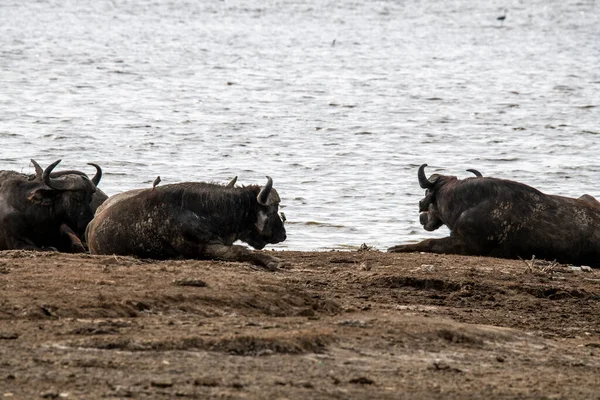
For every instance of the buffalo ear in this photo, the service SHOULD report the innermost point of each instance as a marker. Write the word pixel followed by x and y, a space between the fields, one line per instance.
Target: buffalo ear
pixel 42 197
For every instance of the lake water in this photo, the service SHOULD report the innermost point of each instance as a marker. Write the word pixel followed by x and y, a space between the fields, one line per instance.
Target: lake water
pixel 338 101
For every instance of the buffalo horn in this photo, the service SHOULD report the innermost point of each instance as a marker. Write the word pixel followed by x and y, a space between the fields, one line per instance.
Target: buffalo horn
pixel 423 181
pixel 263 196
pixel 66 183
pixel 98 176
pixel 39 171
pixel 475 172
pixel 232 182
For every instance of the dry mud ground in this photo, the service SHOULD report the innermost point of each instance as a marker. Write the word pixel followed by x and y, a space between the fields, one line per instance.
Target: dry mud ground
pixel 329 325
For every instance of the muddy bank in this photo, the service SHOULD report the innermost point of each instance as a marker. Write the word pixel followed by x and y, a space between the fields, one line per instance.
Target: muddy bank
pixel 330 325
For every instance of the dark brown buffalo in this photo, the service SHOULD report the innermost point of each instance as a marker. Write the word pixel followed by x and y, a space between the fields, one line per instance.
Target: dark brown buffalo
pixel 42 211
pixel 502 218
pixel 189 220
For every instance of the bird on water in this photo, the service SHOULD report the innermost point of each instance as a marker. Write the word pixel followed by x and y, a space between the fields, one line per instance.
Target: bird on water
pixel 502 17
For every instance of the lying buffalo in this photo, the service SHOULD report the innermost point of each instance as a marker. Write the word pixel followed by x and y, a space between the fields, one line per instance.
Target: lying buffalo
pixel 42 211
pixel 507 219
pixel 189 220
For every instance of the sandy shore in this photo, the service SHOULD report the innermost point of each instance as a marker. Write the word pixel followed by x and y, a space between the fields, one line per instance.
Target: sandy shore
pixel 330 325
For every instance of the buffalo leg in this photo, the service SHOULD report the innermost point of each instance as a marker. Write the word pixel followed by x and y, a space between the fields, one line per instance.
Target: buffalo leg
pixel 27 244
pixel 11 229
pixel 240 253
pixel 76 245
pixel 447 245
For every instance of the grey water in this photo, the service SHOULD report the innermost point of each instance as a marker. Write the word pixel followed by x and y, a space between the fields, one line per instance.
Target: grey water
pixel 338 101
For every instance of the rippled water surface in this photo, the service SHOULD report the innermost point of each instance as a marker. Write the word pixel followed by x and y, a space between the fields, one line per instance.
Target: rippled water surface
pixel 338 101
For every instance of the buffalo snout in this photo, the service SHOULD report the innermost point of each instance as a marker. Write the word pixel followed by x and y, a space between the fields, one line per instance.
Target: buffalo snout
pixel 430 219
pixel 279 236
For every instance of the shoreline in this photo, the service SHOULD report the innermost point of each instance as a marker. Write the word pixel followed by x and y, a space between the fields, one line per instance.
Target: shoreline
pixel 331 324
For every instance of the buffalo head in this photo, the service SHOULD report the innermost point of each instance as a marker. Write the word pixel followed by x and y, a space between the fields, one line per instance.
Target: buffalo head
pixel 429 216
pixel 68 195
pixel 430 213
pixel 99 196
pixel 269 225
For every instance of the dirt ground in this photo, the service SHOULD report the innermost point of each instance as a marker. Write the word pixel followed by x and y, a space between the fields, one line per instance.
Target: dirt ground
pixel 339 325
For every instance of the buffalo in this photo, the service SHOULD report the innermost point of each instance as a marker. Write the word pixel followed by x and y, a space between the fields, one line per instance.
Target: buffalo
pixel 506 219
pixel 44 212
pixel 190 220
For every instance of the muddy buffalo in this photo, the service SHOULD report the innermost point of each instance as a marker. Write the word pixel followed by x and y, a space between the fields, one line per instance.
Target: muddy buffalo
pixel 502 218
pixel 42 211
pixel 190 220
